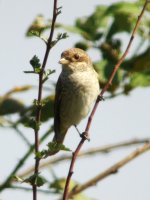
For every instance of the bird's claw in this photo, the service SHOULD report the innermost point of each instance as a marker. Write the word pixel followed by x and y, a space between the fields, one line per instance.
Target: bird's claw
pixel 100 98
pixel 85 136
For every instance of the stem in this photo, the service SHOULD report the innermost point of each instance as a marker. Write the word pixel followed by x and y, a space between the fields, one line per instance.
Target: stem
pixel 40 87
pixel 21 135
pixel 99 98
pixel 7 182
pixel 97 150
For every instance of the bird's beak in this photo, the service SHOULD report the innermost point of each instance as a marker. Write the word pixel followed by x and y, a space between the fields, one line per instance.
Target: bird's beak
pixel 63 61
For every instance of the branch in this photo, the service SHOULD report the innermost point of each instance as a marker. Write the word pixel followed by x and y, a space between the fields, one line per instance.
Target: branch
pixel 21 135
pixel 111 170
pixel 8 180
pixel 99 98
pixel 39 107
pixel 90 152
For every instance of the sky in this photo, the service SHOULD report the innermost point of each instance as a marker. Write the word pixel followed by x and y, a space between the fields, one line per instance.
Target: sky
pixel 116 120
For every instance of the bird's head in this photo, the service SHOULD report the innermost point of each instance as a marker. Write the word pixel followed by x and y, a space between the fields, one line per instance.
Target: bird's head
pixel 75 59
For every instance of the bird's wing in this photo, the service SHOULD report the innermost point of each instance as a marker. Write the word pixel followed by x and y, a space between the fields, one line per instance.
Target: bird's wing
pixel 58 97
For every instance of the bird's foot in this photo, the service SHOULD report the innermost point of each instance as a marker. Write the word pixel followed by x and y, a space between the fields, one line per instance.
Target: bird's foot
pixel 100 98
pixel 85 136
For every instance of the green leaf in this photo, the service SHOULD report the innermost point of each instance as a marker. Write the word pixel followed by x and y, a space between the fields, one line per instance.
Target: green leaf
pixel 111 50
pixel 48 108
pixel 104 69
pixel 38 26
pixel 91 25
pixel 138 63
pixel 36 180
pixel 122 22
pixel 122 7
pixel 59 37
pixel 140 79
pixel 41 154
pixel 30 122
pixel 127 88
pixel 58 186
pixel 82 45
pixel 54 146
pixel 10 106
pixel 141 3
pixel 29 113
pixel 35 62
pixel 46 74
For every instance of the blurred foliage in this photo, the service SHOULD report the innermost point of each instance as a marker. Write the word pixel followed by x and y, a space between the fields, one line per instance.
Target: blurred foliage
pixel 52 147
pixel 35 179
pixel 58 185
pixel 107 30
pixel 38 26
pixel 10 106
pixel 25 114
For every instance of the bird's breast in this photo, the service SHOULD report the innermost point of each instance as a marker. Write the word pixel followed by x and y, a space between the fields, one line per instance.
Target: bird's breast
pixel 79 92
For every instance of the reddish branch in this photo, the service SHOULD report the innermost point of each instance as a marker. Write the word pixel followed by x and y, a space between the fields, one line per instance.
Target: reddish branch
pixel 99 98
pixel 40 87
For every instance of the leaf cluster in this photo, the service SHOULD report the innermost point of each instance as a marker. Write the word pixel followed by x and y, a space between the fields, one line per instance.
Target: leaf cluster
pixel 107 30
pixel 25 114
pixel 52 148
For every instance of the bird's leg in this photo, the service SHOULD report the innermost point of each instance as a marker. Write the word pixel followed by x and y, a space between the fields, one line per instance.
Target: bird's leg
pixel 100 98
pixel 82 135
pixel 85 135
pixel 77 130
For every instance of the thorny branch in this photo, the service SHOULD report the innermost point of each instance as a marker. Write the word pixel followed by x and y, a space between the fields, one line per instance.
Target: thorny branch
pixel 99 98
pixel 97 150
pixel 9 179
pixel 39 108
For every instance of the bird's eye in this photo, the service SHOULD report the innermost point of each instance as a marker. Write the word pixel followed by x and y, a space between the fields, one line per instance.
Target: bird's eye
pixel 76 56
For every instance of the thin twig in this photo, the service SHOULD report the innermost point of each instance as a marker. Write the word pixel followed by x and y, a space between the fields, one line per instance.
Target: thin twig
pixel 39 108
pixel 99 98
pixel 111 170
pixel 14 126
pixel 21 135
pixel 104 149
pixel 8 180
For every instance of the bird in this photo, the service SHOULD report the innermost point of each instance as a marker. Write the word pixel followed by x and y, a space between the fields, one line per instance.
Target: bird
pixel 76 90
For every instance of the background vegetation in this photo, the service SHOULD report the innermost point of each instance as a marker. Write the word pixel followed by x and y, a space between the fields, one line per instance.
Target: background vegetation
pixel 105 31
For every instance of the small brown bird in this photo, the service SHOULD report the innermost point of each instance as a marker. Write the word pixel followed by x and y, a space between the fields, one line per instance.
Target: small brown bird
pixel 76 90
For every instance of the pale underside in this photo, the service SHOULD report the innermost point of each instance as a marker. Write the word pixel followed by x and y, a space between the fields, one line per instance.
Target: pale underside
pixel 79 92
